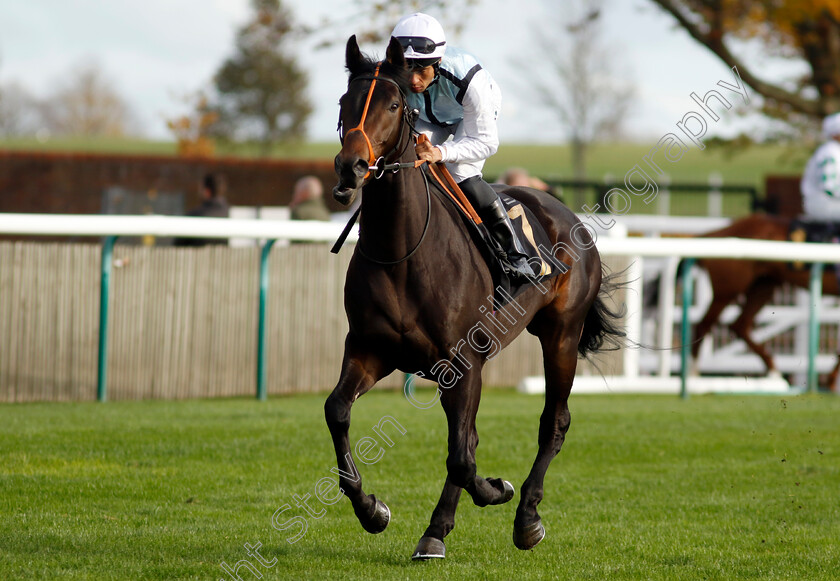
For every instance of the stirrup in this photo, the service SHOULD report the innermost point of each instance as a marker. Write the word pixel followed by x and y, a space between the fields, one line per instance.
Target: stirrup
pixel 518 267
pixel 521 271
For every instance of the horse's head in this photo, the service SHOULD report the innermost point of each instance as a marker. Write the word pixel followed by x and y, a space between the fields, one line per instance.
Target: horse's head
pixel 372 114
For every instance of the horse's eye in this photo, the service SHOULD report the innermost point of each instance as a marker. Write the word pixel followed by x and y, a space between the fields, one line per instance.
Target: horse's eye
pixel 394 106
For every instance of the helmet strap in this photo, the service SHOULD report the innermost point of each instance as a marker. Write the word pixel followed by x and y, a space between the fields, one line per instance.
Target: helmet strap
pixel 437 73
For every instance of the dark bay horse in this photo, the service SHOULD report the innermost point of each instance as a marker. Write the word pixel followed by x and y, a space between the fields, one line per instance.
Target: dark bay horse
pixel 416 298
pixel 752 282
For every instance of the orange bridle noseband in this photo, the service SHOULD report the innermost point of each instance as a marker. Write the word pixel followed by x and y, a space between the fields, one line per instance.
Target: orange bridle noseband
pixel 361 126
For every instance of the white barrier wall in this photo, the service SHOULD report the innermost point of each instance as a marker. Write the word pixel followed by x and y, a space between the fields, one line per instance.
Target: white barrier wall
pixel 631 249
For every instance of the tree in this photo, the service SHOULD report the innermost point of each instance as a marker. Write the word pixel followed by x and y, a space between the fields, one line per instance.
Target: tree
pixel 87 105
pixel 18 111
pixel 581 86
pixel 376 18
pixel 804 30
pixel 193 130
pixel 261 89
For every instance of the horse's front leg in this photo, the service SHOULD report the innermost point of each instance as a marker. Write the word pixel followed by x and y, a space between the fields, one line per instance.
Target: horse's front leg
pixel 359 372
pixel 460 402
pixel 443 521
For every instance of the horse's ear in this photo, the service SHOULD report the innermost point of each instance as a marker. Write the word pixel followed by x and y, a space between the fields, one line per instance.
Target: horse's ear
pixel 353 56
pixel 395 54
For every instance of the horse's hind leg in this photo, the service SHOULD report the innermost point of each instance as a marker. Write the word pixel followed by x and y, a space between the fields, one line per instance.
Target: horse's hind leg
pixel 832 377
pixel 560 355
pixel 359 372
pixel 719 302
pixel 757 296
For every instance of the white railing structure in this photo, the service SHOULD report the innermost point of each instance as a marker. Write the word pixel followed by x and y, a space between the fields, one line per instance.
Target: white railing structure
pixel 111 227
pixel 783 321
pixel 655 225
pixel 733 248
pixel 674 249
pixel 730 360
pixel 608 245
pixel 166 226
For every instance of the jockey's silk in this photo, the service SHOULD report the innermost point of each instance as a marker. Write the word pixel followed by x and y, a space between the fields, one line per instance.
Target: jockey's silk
pixel 821 183
pixel 464 102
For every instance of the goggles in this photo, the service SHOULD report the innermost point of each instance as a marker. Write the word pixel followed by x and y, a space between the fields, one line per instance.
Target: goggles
pixel 419 44
pixel 416 64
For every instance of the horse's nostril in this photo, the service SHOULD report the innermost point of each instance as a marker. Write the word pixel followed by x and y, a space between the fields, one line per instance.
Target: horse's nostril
pixel 360 168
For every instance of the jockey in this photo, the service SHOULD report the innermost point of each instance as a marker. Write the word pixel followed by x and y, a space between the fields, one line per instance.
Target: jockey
pixel 821 182
pixel 459 103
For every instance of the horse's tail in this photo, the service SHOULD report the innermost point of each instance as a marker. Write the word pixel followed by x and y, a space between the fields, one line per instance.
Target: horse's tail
pixel 601 328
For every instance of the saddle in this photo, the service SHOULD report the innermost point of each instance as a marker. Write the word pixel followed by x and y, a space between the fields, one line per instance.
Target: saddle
pixel 527 229
pixel 805 229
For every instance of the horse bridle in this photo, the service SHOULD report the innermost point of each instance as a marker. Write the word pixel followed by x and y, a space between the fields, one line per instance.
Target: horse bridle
pixel 373 162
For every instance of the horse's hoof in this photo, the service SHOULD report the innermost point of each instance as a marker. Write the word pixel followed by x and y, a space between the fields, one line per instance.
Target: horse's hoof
pixel 379 519
pixel 694 368
pixel 429 548
pixel 528 537
pixel 507 494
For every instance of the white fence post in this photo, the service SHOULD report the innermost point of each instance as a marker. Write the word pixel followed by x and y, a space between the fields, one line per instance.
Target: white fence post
pixel 714 202
pixel 633 321
pixel 663 199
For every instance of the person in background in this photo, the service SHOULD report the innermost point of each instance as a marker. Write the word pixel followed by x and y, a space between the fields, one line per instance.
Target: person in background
pixel 820 184
pixel 213 205
pixel 519 177
pixel 308 200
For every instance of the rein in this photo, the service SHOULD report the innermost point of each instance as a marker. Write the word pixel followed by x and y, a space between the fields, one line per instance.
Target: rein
pixel 422 236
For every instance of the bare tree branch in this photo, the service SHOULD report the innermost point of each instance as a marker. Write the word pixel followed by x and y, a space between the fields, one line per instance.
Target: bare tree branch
pixel 714 41
pixel 376 18
pixel 18 111
pixel 87 104
pixel 580 87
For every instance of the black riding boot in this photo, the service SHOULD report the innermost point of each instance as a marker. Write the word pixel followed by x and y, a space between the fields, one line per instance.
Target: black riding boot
pixel 489 207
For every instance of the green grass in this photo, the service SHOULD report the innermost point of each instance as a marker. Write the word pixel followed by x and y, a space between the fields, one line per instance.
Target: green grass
pixel 732 487
pixel 548 161
pixel 747 167
pixel 116 145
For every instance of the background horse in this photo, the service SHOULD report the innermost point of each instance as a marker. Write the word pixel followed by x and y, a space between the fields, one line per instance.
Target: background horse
pixel 751 283
pixel 418 299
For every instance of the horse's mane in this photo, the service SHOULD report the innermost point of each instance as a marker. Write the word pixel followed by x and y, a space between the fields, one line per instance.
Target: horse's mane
pixel 367 66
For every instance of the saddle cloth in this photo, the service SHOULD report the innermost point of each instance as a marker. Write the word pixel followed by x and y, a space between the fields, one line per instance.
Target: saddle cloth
pixel 527 229
pixel 537 246
pixel 808 230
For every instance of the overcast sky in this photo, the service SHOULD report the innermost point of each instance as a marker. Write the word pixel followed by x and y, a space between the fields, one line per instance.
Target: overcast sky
pixel 156 50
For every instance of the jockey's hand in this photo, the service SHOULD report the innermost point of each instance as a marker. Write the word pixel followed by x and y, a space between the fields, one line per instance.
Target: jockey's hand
pixel 428 152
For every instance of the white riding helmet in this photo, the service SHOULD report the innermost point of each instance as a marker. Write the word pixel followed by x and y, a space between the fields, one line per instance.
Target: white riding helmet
pixel 421 36
pixel 831 126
